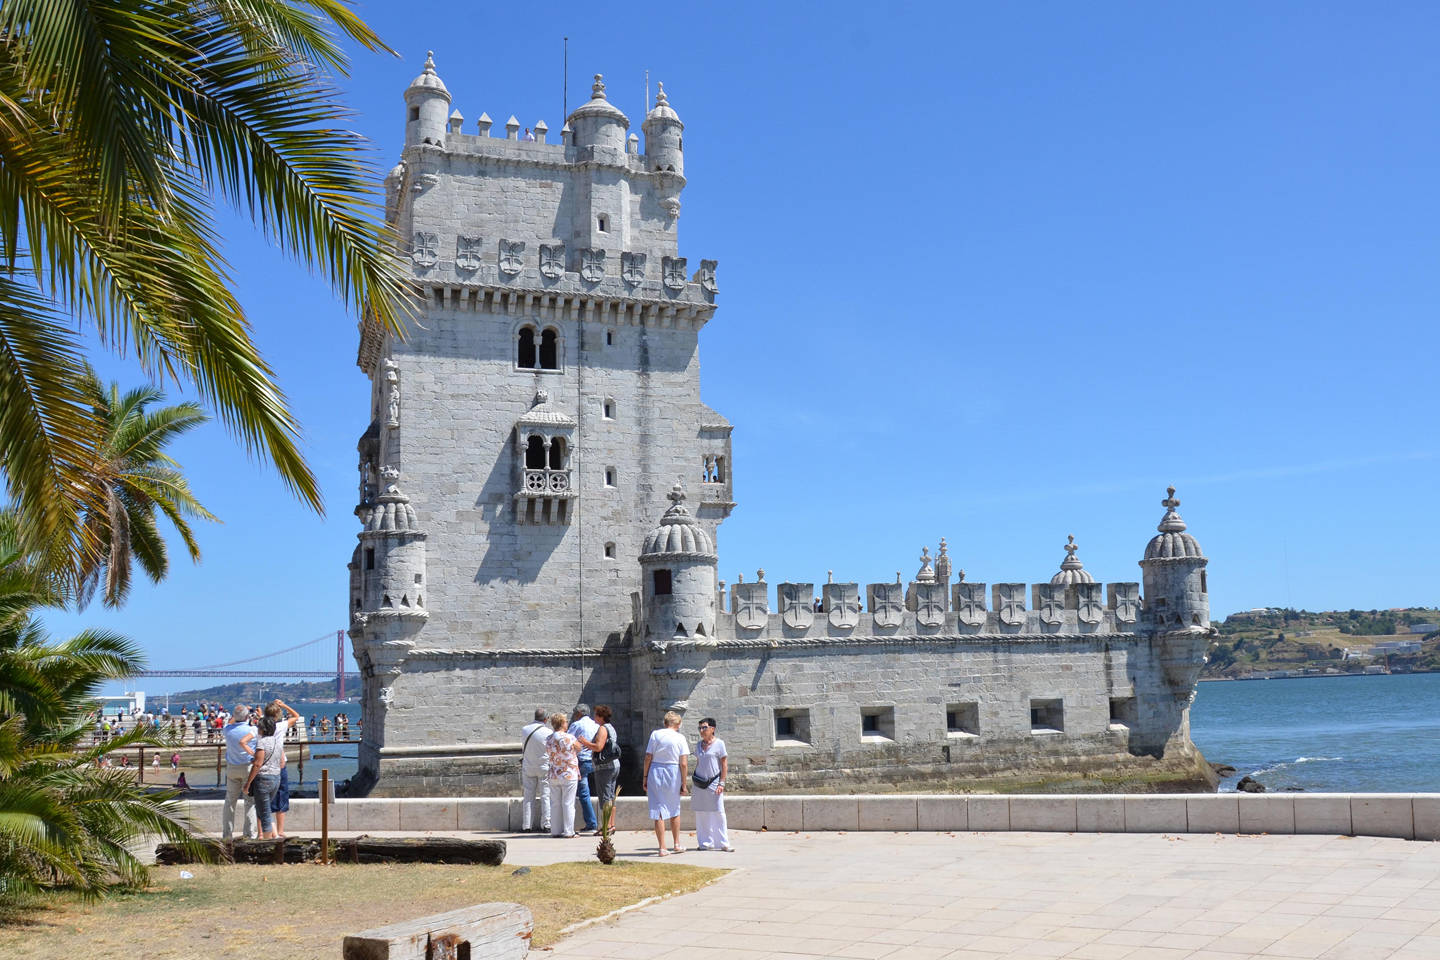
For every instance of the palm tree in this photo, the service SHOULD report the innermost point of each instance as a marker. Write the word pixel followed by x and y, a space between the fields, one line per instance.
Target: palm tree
pixel 64 820
pixel 137 478
pixel 122 123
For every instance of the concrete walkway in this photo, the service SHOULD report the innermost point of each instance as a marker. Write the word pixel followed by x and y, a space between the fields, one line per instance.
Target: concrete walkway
pixel 979 896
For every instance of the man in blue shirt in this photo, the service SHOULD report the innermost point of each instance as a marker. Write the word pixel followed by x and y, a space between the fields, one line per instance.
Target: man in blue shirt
pixel 584 728
pixel 239 733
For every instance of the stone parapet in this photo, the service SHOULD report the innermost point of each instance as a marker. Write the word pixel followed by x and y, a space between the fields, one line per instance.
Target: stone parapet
pixel 1409 816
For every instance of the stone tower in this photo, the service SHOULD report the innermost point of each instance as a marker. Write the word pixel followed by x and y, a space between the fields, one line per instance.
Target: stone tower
pixel 538 413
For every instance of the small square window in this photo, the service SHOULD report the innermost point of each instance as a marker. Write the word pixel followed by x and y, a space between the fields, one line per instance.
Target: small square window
pixel 610 550
pixel 877 723
pixel 603 223
pixel 1122 712
pixel 1047 716
pixel 662 583
pixel 962 719
pixel 414 113
pixel 607 409
pixel 792 728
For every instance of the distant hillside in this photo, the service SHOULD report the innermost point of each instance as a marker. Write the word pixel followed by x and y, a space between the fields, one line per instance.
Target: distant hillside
pixel 250 690
pixel 1276 642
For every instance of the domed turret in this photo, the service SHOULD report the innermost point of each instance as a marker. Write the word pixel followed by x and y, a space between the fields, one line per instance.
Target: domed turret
pixel 597 122
pixel 678 573
pixel 664 143
pixel 427 106
pixel 392 554
pixel 1071 569
pixel 1176 593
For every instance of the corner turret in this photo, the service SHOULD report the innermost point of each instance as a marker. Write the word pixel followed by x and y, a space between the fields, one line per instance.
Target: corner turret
pixel 1176 594
pixel 597 122
pixel 427 107
pixel 678 576
pixel 664 140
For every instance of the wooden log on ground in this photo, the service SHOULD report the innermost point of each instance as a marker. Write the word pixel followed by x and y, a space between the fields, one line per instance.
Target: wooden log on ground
pixel 429 850
pixel 485 931
pixel 350 850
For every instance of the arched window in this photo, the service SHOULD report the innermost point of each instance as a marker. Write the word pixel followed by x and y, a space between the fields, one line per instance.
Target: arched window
pixel 549 350
pixel 526 357
pixel 557 453
pixel 534 453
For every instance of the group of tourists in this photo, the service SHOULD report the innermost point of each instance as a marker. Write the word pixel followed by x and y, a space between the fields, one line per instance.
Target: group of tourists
pixel 255 769
pixel 321 726
pixel 559 758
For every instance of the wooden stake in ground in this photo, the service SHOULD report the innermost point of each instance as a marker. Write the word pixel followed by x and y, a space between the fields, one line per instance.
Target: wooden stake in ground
pixel 325 815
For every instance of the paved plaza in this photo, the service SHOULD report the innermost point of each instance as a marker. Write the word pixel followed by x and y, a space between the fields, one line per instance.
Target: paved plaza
pixel 979 896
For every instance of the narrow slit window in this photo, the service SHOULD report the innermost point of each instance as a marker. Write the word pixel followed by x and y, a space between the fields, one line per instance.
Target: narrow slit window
pixel 604 223
pixel 609 476
pixel 609 338
pixel 607 409
pixel 610 550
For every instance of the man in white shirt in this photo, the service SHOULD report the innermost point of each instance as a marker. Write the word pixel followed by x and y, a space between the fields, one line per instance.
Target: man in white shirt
pixel 534 774
pixel 584 727
pixel 238 754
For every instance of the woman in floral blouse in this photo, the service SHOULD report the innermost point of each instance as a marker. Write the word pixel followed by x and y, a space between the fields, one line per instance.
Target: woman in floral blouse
pixel 563 750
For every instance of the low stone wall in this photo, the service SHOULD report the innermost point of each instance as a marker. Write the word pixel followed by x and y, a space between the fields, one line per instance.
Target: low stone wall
pixel 1409 816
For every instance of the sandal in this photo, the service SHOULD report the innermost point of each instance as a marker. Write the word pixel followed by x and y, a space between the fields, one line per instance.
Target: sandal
pixel 662 853
pixel 677 849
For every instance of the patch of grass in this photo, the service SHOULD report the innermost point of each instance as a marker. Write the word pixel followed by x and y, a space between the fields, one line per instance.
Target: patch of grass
pixel 305 910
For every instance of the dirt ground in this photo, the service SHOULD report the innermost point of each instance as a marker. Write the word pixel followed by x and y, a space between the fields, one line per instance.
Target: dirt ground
pixel 300 911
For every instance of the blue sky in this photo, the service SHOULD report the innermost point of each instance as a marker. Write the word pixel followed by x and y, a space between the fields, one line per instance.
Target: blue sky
pixel 997 273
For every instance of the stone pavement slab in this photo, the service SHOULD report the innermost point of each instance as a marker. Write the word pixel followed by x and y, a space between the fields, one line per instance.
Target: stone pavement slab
pixel 981 896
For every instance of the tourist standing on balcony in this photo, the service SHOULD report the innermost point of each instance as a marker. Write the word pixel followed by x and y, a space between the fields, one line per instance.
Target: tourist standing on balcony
pixel 561 751
pixel 708 801
pixel 535 775
pixel 667 768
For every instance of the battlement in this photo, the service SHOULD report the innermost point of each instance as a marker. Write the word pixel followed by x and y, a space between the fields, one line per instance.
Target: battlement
pixel 930 608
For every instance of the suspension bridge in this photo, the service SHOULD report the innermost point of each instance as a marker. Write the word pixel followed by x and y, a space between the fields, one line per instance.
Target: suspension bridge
pixel 303 660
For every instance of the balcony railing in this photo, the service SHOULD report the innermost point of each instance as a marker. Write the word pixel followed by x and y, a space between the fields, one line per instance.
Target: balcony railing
pixel 546 483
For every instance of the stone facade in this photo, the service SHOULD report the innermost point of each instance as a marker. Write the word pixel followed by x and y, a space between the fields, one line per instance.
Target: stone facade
pixel 525 438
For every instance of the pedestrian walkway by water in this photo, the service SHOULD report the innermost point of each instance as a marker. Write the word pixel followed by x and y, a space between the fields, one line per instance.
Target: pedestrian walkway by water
pixel 968 896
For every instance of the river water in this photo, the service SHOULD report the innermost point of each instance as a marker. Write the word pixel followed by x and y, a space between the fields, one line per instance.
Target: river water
pixel 1362 734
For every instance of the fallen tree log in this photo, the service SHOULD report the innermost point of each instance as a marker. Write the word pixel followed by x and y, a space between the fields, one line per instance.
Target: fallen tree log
pixel 350 850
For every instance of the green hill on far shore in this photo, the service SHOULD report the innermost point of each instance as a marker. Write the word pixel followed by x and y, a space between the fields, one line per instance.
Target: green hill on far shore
pixel 1286 642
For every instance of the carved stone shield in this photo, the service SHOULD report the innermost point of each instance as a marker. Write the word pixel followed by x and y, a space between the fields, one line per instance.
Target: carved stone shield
pixel 512 256
pixel 705 276
pixel 425 249
pixel 1051 597
pixel 930 604
pixel 632 267
pixel 843 600
pixel 970 603
pixel 467 252
pixel 1125 599
pixel 552 260
pixel 1091 607
pixel 673 272
pixel 797 605
pixel 1010 603
pixel 751 603
pixel 887 604
pixel 592 264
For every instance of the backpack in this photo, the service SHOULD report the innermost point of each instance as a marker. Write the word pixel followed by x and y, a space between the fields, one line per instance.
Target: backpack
pixel 611 751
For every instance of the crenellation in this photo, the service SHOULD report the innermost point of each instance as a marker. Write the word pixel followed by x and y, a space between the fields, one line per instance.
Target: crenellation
pixel 538 420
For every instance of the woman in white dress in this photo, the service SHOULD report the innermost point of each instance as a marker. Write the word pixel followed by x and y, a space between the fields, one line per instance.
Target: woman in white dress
pixel 708 801
pixel 667 769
